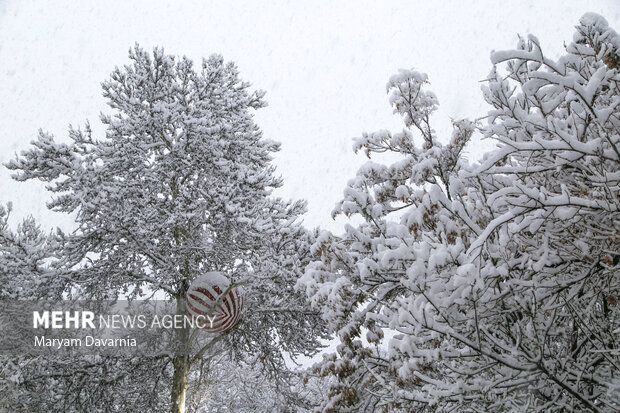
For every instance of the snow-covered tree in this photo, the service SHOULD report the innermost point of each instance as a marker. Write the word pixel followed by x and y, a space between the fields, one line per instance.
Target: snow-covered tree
pixel 490 287
pixel 23 257
pixel 228 387
pixel 180 184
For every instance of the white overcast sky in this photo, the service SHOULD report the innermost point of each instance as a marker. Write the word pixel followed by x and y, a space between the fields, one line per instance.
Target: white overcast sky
pixel 324 66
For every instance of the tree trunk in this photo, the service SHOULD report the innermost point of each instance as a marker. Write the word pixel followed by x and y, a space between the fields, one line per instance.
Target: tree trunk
pixel 181 365
pixel 179 383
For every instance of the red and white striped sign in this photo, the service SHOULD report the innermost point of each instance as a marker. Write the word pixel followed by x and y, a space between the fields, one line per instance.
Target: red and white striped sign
pixel 202 300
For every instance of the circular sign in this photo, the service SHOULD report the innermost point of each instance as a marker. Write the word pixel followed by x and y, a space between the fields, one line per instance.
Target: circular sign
pixel 211 300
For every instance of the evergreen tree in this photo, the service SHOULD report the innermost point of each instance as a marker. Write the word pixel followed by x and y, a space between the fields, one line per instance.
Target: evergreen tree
pixel 180 185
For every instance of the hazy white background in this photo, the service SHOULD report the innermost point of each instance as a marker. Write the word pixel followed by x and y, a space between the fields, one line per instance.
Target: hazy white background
pixel 324 67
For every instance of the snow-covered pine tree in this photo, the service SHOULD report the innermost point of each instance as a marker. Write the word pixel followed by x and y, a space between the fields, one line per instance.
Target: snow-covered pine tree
pixel 491 287
pixel 180 185
pixel 23 256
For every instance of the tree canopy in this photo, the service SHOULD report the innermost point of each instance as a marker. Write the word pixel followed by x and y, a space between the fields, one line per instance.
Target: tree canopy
pixel 493 286
pixel 181 184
